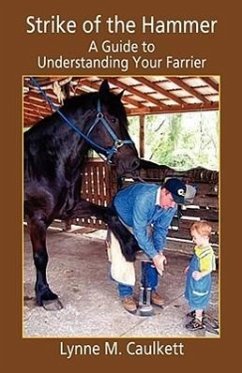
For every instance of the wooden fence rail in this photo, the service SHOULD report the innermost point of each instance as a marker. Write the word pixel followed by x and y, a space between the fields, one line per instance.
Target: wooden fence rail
pixel 99 185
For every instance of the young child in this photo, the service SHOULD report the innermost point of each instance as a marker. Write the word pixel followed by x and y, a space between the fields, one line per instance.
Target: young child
pixel 198 274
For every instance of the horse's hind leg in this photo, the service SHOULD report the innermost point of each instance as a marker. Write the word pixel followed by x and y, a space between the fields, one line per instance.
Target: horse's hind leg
pixel 44 296
pixel 128 243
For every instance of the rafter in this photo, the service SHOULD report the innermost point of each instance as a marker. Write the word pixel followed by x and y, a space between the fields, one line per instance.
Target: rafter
pixel 136 99
pixel 175 109
pixel 124 98
pixel 136 92
pixel 210 82
pixel 159 89
pixel 189 89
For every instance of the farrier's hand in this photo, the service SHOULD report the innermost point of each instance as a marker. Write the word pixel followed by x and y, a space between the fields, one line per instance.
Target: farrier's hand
pixel 163 258
pixel 159 262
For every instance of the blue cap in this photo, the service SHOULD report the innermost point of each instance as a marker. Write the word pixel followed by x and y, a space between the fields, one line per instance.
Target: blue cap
pixel 177 189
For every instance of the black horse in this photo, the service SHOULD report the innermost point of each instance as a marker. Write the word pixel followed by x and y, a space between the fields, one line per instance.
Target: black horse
pixel 55 149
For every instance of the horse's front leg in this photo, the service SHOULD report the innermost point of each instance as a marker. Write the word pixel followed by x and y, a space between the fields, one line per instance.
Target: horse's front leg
pixel 44 296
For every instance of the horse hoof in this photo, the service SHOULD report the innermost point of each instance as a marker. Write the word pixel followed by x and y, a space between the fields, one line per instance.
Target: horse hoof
pixel 52 305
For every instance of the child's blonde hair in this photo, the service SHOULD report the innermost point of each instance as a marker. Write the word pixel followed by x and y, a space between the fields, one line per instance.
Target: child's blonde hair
pixel 202 228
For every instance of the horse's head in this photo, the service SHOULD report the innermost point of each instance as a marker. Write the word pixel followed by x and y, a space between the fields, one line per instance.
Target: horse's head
pixel 100 119
pixel 111 131
pixel 106 129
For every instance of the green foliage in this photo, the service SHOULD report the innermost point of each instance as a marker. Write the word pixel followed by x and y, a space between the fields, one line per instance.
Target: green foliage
pixel 181 141
pixel 134 129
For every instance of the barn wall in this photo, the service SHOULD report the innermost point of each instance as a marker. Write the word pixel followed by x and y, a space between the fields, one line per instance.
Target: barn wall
pixel 100 185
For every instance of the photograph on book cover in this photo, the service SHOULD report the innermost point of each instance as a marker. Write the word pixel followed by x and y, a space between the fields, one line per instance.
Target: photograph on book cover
pixel 121 206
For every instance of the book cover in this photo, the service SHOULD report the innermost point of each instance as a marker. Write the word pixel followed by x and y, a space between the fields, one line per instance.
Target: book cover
pixel 159 59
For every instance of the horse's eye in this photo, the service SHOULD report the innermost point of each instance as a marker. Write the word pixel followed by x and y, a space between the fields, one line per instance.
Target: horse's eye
pixel 114 120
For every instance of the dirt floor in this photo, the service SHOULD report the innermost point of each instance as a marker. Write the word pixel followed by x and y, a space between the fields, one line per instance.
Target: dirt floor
pixel 78 271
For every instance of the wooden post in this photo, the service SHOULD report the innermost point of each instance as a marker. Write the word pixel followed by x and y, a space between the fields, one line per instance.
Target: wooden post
pixel 141 136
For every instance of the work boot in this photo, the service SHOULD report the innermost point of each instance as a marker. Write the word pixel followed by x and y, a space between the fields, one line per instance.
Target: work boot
pixel 156 299
pixel 129 304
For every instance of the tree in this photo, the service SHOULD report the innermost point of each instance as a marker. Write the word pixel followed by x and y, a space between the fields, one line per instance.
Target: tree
pixel 183 140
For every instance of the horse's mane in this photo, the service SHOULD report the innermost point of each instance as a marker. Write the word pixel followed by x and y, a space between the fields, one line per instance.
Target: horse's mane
pixel 88 100
pixel 84 100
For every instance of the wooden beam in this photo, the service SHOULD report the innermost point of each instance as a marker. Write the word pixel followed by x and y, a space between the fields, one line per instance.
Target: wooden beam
pixel 210 82
pixel 176 109
pixel 186 235
pixel 190 108
pixel 31 120
pixel 135 92
pixel 189 89
pixel 141 136
pixel 33 100
pixel 31 105
pixel 159 89
pixel 47 82
pixel 32 115
pixel 35 97
pixel 97 86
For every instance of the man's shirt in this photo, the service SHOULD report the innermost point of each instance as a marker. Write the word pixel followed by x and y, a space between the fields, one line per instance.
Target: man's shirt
pixel 137 206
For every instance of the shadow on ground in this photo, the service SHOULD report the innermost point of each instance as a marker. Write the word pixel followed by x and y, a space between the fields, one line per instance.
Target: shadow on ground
pixel 78 272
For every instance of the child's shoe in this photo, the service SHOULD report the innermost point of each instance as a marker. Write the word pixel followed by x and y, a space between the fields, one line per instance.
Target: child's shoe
pixel 194 324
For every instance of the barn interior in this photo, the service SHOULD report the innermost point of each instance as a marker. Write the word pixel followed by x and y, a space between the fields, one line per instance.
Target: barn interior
pixel 78 268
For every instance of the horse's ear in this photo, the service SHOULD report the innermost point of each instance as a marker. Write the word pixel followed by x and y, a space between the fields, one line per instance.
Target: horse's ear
pixel 104 88
pixel 120 95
